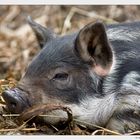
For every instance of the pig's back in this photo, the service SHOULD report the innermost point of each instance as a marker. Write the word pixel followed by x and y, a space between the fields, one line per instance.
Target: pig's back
pixel 125 41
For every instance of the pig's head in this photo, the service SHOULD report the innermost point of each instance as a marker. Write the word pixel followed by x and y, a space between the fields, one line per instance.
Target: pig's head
pixel 68 70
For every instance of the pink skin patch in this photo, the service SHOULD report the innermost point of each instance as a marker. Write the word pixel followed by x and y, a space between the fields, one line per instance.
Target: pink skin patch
pixel 99 70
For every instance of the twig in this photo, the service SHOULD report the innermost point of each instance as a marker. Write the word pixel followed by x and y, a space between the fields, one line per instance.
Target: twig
pixel 37 110
pixel 17 115
pixel 10 115
pixel 96 126
pixel 2 104
pixel 24 129
pixel 134 133
pixel 96 131
pixel 21 31
pixel 92 14
pixel 13 12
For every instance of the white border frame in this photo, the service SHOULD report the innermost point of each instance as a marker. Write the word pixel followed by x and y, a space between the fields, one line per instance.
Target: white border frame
pixel 70 2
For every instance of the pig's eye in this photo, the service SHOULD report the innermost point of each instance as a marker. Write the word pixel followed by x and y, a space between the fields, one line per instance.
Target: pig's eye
pixel 62 80
pixel 61 76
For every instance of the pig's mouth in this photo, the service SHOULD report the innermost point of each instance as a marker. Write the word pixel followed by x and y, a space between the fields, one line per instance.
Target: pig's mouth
pixel 16 101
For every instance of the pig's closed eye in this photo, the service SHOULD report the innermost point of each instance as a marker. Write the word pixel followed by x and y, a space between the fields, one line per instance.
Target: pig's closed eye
pixel 60 76
pixel 62 80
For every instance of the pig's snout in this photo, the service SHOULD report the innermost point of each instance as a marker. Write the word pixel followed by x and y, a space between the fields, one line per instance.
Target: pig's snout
pixel 15 101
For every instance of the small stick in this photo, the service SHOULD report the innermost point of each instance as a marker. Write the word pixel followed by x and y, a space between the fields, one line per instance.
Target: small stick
pixel 43 115
pixel 40 109
pixel 96 131
pixel 133 133
pixel 96 126
pixel 24 129
pixel 10 115
pixel 91 14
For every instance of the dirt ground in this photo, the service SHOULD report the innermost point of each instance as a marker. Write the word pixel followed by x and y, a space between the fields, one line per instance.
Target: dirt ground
pixel 18 46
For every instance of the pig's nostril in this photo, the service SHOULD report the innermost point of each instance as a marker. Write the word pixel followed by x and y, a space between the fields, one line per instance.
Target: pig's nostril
pixel 13 105
pixel 11 100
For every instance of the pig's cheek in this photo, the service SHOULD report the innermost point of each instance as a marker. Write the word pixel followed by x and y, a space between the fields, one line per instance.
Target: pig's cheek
pixel 36 97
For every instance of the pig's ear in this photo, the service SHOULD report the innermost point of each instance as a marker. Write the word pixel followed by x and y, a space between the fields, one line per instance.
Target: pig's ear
pixel 93 47
pixel 43 34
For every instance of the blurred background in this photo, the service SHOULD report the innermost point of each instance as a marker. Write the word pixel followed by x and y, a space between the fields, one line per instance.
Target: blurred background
pixel 18 44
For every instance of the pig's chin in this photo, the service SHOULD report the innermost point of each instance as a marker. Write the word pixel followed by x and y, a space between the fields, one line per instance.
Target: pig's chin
pixel 55 117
